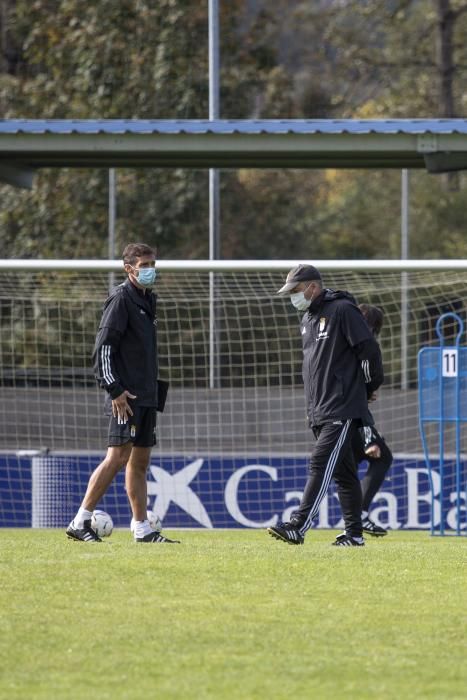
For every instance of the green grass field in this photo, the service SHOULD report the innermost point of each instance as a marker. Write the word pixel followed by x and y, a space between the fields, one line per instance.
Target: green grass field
pixel 232 614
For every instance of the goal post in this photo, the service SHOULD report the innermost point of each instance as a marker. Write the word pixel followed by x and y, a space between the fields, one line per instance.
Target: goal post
pixel 232 455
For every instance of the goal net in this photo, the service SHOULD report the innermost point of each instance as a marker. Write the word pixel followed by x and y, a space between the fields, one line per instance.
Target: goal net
pixel 233 444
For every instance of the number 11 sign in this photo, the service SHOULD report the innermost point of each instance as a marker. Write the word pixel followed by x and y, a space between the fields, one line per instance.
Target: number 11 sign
pixel 450 362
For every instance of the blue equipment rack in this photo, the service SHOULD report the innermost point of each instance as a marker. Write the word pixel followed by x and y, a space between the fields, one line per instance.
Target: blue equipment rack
pixel 442 390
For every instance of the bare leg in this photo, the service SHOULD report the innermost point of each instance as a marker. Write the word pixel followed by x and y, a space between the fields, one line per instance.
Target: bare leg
pixel 104 473
pixel 135 481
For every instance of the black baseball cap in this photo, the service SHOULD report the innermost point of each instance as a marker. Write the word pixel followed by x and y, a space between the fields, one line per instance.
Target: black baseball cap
pixel 301 273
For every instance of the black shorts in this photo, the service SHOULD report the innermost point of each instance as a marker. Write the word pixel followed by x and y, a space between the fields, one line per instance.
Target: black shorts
pixel 140 428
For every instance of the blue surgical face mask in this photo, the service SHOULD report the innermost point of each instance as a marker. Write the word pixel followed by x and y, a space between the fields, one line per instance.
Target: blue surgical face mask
pixel 146 276
pixel 299 301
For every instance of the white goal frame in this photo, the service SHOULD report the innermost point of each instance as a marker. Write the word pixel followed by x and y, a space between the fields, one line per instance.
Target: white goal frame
pixel 434 265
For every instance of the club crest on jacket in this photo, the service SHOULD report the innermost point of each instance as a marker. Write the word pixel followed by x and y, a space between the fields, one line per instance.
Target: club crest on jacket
pixel 321 332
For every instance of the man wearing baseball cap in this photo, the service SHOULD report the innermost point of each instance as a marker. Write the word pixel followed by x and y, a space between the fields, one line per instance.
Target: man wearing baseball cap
pixel 342 368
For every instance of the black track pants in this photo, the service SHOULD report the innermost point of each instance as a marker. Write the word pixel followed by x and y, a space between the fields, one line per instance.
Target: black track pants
pixel 332 457
pixel 377 466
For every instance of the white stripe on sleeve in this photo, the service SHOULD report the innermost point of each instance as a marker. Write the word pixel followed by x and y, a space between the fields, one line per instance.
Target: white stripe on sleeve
pixel 105 364
pixel 366 370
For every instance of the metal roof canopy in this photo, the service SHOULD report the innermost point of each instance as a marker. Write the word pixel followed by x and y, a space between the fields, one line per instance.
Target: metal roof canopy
pixel 440 145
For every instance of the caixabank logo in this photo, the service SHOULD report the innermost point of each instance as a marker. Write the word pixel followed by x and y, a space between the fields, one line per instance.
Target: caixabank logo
pixel 234 492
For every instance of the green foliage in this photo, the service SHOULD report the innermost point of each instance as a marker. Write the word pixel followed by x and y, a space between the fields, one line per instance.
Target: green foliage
pixel 126 59
pixel 106 59
pixel 384 53
pixel 229 615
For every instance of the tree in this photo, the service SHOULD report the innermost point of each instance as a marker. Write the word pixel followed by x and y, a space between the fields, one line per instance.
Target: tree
pixel 123 59
pixel 405 58
pixel 288 59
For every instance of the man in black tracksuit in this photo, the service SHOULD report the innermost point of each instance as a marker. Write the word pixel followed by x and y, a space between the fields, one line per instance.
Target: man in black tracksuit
pixel 342 368
pixel 125 366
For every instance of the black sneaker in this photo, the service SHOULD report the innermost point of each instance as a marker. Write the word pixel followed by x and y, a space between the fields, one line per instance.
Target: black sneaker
pixel 344 540
pixel 287 532
pixel 372 528
pixel 82 534
pixel 156 537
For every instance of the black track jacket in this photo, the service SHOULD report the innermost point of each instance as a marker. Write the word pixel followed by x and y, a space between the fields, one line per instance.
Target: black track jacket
pixel 125 352
pixel 342 363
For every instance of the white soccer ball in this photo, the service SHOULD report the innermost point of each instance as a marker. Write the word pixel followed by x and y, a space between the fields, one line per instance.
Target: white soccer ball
pixel 154 522
pixel 102 523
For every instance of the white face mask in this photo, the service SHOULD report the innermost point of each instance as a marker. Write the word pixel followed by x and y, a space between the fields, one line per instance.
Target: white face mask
pixel 299 301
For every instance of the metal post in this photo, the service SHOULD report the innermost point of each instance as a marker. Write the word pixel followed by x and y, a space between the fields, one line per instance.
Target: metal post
pixel 404 278
pixel 214 203
pixel 213 59
pixel 111 225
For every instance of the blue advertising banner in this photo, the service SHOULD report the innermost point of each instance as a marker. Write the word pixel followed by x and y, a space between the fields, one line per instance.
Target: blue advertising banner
pixel 215 492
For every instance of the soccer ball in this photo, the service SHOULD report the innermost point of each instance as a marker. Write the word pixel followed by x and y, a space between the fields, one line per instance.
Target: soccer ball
pixel 154 522
pixel 102 523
